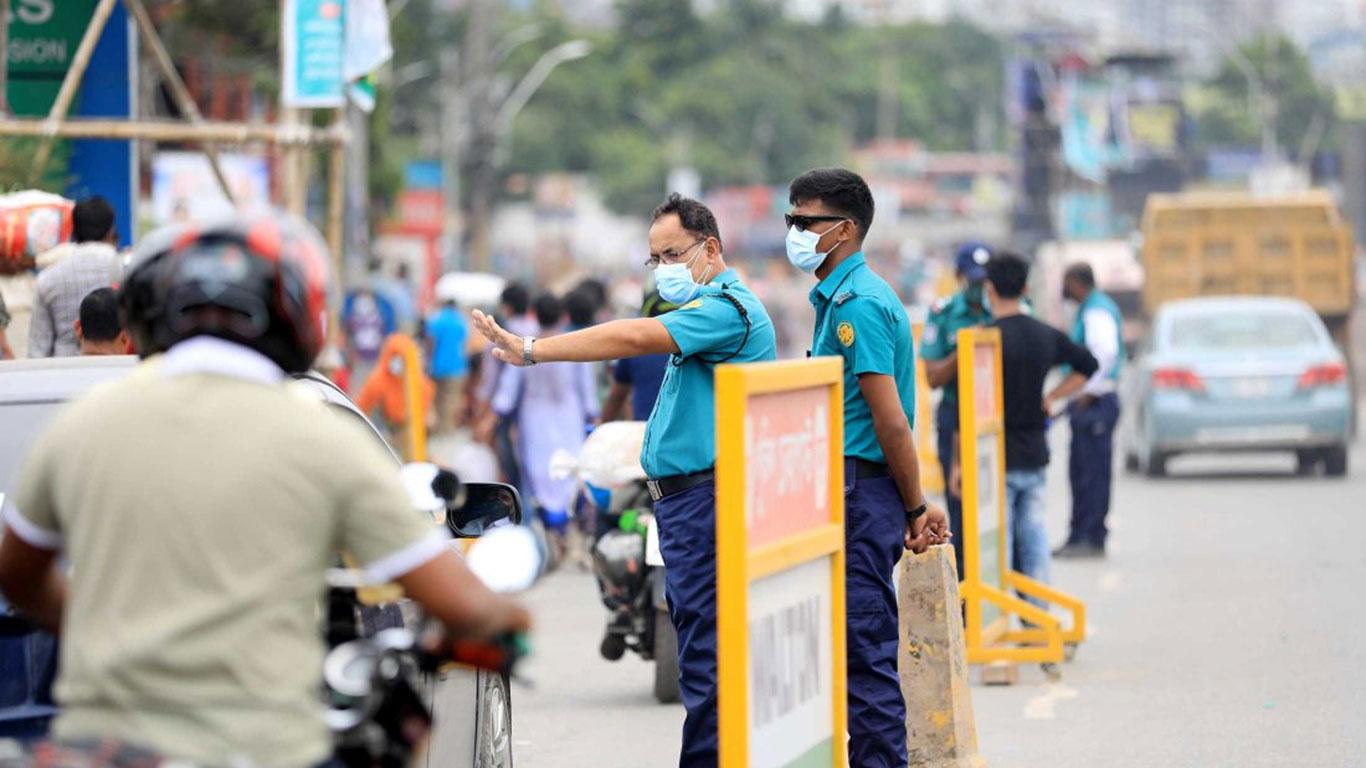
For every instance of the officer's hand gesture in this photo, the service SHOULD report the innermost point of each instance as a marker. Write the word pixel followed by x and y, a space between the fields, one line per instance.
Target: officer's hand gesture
pixel 928 529
pixel 507 347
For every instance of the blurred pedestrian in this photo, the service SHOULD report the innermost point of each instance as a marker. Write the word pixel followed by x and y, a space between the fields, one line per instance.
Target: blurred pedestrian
pixel 719 320
pixel 552 405
pixel 514 305
pixel 582 308
pixel 5 352
pixel 92 263
pixel 596 291
pixel 384 394
pixel 638 378
pixel 17 292
pixel 860 319
pixel 447 335
pixel 398 292
pixel 1029 350
pixel 367 319
pixel 99 328
pixel 1093 414
pixel 939 350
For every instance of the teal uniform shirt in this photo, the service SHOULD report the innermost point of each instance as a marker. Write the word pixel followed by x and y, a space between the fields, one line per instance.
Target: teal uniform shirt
pixel 940 337
pixel 860 318
pixel 680 438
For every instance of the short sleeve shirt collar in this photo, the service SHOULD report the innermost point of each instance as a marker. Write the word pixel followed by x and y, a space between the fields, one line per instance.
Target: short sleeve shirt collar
pixel 212 355
pixel 825 289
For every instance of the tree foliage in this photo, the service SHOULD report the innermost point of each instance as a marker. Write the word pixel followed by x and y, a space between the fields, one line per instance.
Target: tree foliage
pixel 1229 113
pixel 747 96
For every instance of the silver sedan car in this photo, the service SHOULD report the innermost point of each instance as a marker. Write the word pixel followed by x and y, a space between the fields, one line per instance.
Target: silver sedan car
pixel 1239 374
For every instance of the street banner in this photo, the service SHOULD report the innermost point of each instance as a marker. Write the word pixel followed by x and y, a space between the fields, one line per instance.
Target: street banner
pixel 989 586
pixel 780 564
pixel 184 187
pixel 313 43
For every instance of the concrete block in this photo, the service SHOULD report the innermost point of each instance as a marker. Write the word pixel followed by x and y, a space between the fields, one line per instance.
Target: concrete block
pixel 941 731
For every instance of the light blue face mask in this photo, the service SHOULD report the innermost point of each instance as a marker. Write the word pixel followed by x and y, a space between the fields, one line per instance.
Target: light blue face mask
pixel 801 248
pixel 675 284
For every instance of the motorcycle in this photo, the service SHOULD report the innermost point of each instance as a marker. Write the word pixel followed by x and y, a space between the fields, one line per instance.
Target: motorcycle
pixel 627 563
pixel 379 676
pixel 378 713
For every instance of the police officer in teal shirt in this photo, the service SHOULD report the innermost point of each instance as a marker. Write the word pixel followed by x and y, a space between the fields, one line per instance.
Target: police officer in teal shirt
pixel 939 349
pixel 860 319
pixel 718 320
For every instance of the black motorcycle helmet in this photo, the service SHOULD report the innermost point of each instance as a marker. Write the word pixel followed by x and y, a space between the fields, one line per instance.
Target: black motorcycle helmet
pixel 260 280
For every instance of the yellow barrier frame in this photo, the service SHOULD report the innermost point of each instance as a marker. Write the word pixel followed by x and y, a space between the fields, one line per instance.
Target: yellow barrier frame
pixel 737 567
pixel 1046 639
pixel 926 449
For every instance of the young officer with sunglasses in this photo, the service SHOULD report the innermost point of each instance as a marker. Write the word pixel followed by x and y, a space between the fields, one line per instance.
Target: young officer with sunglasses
pixel 860 318
pixel 718 320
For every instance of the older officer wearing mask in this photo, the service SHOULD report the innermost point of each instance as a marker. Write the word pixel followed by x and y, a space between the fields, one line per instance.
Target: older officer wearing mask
pixel 718 320
pixel 860 318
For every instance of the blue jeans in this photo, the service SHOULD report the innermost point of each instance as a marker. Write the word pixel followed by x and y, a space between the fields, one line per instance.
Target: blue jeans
pixel 1026 528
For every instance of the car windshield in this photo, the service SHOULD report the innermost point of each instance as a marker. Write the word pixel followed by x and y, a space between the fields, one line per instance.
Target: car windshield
pixel 1241 330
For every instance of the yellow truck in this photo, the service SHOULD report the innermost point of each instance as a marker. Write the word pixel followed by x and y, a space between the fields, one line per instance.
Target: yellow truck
pixel 1238 244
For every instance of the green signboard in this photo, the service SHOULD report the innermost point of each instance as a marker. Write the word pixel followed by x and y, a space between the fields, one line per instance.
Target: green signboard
pixel 43 38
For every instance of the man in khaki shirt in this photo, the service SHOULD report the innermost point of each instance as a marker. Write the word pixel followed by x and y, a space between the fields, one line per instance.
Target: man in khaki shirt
pixel 200 503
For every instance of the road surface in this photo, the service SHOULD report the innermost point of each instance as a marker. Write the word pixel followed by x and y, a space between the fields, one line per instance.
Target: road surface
pixel 1227 629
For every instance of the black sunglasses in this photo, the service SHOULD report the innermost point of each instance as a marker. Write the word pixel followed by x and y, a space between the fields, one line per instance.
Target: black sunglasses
pixel 803 223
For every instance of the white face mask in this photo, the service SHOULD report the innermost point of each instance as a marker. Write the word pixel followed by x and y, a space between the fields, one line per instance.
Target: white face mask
pixel 675 284
pixel 801 248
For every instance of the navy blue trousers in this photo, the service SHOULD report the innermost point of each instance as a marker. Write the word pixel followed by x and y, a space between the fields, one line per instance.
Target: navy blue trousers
pixel 874 526
pixel 874 529
pixel 946 427
pixel 687 540
pixel 1090 467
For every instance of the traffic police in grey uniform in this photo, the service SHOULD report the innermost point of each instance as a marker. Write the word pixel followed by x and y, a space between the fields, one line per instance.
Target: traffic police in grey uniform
pixel 718 320
pixel 860 319
pixel 939 349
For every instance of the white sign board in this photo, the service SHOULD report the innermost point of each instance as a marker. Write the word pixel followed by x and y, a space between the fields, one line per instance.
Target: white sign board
pixel 790 677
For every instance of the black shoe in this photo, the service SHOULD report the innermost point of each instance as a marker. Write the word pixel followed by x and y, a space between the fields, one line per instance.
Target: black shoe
pixel 1078 550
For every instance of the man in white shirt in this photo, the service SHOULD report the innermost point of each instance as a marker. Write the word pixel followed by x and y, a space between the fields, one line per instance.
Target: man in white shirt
pixel 1093 414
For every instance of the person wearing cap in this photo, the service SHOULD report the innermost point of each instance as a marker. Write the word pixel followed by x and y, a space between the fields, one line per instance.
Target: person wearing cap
pixel 939 349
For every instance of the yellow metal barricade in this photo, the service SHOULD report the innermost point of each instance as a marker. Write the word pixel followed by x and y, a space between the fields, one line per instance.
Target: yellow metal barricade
pixel 780 564
pixel 988 581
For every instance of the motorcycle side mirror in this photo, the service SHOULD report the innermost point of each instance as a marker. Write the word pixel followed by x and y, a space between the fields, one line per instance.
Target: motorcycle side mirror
pixel 506 559
pixel 485 506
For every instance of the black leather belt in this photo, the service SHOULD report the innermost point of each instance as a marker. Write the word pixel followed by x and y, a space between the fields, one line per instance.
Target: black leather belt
pixel 668 486
pixel 862 469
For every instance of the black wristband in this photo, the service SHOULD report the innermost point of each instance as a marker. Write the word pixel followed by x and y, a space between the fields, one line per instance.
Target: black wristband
pixel 914 514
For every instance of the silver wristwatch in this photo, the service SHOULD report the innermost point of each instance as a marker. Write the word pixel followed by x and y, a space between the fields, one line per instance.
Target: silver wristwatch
pixel 527 341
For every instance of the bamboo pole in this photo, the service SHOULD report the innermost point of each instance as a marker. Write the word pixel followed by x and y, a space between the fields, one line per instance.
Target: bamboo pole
pixel 170 130
pixel 336 195
pixel 179 91
pixel 69 84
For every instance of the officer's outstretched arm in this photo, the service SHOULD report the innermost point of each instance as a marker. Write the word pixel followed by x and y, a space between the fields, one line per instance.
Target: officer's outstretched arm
pixel 608 341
